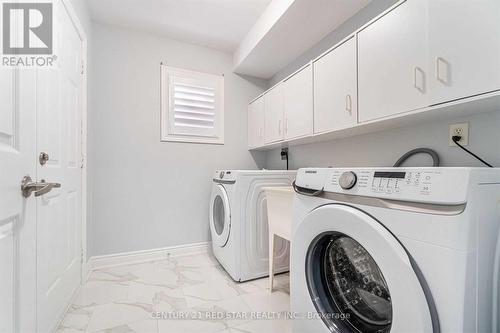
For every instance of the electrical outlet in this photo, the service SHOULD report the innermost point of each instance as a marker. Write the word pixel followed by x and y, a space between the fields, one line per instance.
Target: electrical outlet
pixel 462 130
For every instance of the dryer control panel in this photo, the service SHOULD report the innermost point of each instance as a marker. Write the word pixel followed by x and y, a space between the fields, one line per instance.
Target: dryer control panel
pixel 224 175
pixel 427 185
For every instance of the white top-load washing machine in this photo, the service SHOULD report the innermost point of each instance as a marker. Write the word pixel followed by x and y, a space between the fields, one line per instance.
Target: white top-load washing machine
pixel 396 250
pixel 238 222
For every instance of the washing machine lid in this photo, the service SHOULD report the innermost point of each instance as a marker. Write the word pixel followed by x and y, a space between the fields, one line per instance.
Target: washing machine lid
pixel 220 216
pixel 359 277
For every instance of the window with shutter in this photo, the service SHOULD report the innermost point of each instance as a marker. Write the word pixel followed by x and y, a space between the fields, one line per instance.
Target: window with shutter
pixel 192 106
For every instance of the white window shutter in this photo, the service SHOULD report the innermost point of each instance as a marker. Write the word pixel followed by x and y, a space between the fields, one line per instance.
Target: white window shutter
pixel 194 106
pixel 192 109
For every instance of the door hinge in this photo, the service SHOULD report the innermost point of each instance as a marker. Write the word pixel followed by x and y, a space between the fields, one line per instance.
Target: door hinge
pixel 83 67
pixel 82 163
pixel 81 257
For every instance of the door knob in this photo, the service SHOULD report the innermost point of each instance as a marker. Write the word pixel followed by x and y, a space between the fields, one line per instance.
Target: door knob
pixel 28 186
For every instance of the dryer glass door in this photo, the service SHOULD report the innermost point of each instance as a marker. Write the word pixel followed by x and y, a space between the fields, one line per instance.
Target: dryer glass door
pixel 352 283
pixel 219 213
pixel 359 276
pixel 220 217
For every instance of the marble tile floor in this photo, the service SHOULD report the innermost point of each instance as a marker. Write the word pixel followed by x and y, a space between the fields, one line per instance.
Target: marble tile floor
pixel 180 295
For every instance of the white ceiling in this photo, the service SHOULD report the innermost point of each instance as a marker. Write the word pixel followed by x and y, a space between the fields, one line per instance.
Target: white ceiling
pixel 218 24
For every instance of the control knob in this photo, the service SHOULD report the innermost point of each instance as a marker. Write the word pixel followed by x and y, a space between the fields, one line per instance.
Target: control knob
pixel 347 180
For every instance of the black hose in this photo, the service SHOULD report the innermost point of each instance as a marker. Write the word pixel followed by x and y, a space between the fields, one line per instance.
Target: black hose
pixel 432 153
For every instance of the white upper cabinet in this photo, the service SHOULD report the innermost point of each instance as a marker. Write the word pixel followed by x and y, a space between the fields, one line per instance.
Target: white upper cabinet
pixel 298 104
pixel 273 114
pixel 256 123
pixel 421 58
pixel 335 89
pixel 464 48
pixel 392 62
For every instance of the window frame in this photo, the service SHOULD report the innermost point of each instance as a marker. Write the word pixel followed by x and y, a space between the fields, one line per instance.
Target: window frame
pixel 167 133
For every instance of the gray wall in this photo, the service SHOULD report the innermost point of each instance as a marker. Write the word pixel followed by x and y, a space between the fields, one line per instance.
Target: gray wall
pixel 384 148
pixel 145 193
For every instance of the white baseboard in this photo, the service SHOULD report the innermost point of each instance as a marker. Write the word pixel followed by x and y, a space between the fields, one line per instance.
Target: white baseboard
pixel 127 258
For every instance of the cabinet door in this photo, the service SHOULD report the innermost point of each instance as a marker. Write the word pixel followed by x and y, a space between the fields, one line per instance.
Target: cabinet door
pixel 392 62
pixel 464 39
pixel 273 114
pixel 251 137
pixel 252 125
pixel 298 104
pixel 335 90
pixel 256 123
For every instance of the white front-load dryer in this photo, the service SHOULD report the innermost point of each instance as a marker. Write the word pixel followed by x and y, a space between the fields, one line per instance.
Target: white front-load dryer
pixel 238 222
pixel 396 250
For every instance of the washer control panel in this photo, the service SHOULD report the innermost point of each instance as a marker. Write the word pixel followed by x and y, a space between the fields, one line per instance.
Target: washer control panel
pixel 427 185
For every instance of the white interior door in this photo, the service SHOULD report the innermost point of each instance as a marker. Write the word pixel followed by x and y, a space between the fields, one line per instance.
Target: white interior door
pixel 17 214
pixel 59 211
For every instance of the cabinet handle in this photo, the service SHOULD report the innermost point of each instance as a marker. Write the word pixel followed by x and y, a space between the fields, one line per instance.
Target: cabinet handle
pixel 260 132
pixel 286 125
pixel 415 75
pixel 279 126
pixel 348 103
pixel 442 78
